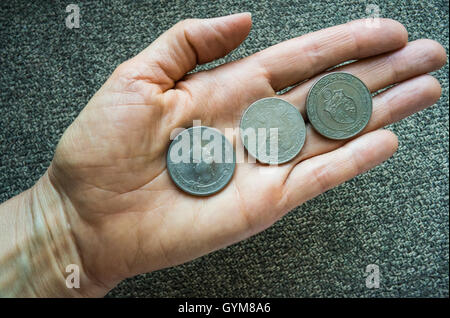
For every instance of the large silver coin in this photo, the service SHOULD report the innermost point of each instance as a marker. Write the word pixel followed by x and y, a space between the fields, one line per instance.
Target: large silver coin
pixel 267 118
pixel 339 105
pixel 200 160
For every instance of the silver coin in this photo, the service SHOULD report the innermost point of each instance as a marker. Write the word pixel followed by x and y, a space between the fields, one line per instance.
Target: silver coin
pixel 339 105
pixel 200 160
pixel 267 116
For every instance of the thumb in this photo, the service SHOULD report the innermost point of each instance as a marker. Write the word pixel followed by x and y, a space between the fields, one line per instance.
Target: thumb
pixel 188 43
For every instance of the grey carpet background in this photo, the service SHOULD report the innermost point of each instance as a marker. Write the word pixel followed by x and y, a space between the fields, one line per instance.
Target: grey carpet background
pixel 395 216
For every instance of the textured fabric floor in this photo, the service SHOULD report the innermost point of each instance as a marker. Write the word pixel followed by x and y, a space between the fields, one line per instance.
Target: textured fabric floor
pixel 395 216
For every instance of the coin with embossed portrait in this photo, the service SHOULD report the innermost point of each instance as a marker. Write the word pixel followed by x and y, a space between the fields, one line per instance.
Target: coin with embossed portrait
pixel 272 130
pixel 200 160
pixel 339 105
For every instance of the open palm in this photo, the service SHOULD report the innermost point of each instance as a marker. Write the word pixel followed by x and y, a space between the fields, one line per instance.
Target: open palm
pixel 126 214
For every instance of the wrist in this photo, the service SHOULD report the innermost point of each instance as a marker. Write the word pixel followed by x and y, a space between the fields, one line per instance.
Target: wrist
pixel 38 246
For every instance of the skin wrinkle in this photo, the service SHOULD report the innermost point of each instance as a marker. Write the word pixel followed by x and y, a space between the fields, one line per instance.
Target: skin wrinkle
pixel 220 39
pixel 83 181
pixel 378 67
pixel 66 206
pixel 154 81
pixel 184 112
pixel 355 157
pixel 154 180
pixel 162 248
pixel 143 101
pixel 27 249
pixel 108 284
pixel 17 222
pixel 130 82
pixel 180 115
pixel 61 187
pixel 243 209
pixel 264 73
pixel 93 186
pixel 140 254
pixel 130 264
pixel 388 110
pixel 12 284
pixel 38 249
pixel 320 175
pixel 181 87
pixel 390 60
pixel 196 220
pixel 193 49
pixel 352 34
pixel 150 110
pixel 170 82
pixel 316 51
pixel 195 217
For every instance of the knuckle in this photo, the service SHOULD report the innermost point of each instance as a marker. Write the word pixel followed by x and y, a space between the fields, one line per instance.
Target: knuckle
pixel 321 177
pixel 186 23
pixel 357 163
pixel 124 69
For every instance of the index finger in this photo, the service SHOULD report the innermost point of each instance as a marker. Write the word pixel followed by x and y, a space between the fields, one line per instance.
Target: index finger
pixel 292 61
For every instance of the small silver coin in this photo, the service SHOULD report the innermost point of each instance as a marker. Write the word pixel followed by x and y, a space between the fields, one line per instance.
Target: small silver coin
pixel 339 105
pixel 267 116
pixel 200 160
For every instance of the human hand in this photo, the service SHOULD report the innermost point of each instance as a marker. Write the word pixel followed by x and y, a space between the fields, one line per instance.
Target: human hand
pixel 109 171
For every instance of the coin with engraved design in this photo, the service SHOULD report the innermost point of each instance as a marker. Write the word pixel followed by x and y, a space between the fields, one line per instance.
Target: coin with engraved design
pixel 200 160
pixel 339 105
pixel 272 130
